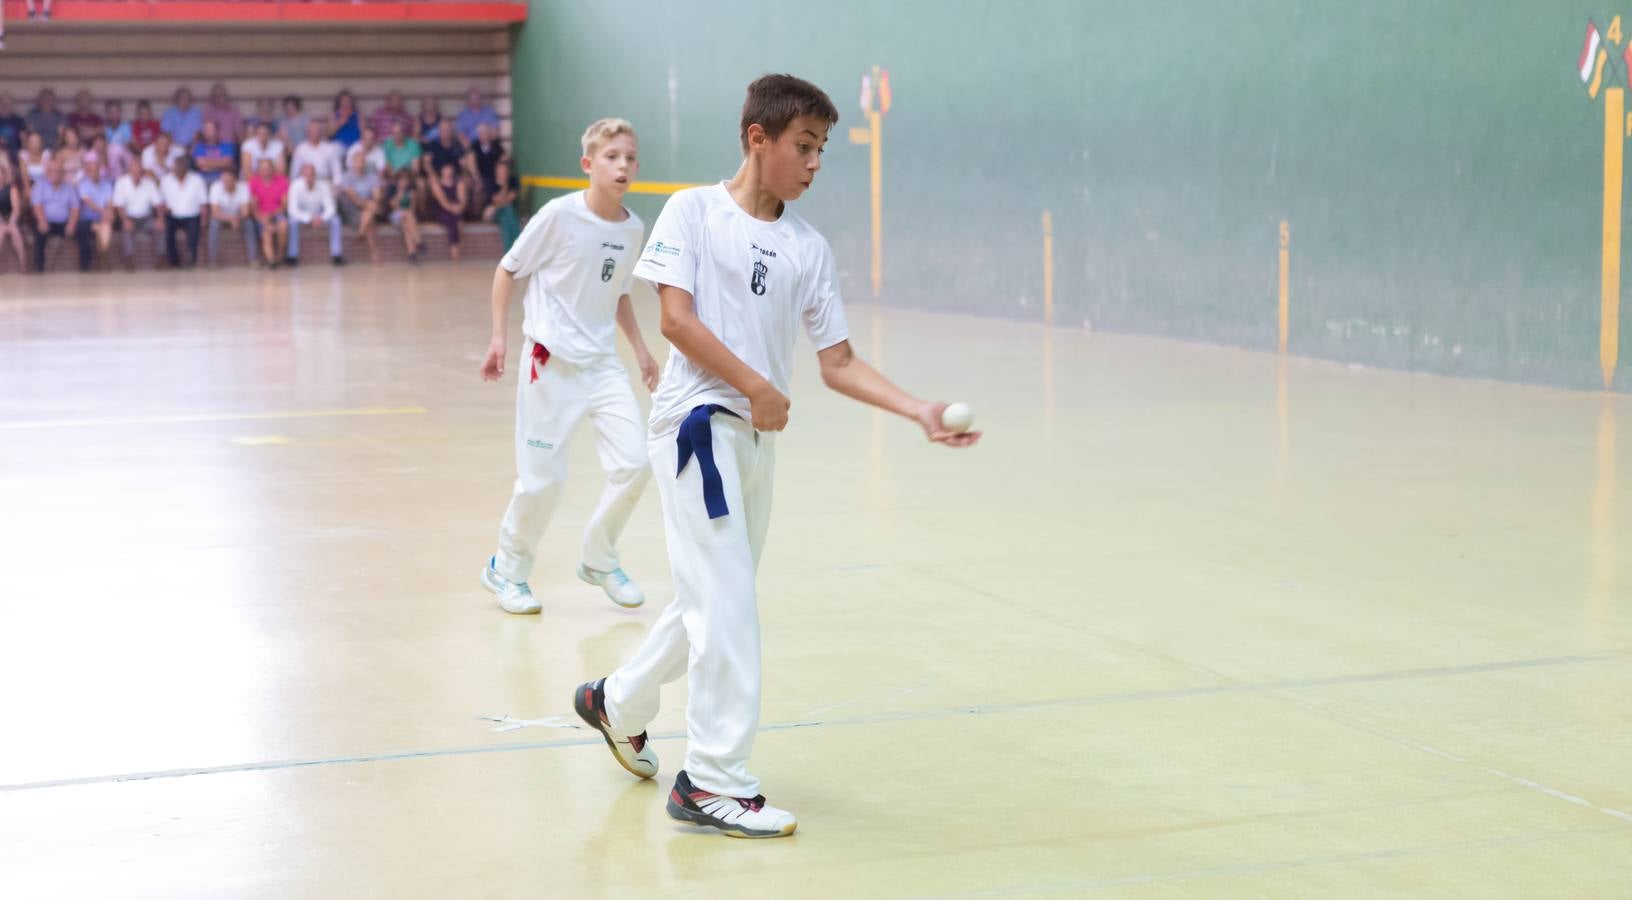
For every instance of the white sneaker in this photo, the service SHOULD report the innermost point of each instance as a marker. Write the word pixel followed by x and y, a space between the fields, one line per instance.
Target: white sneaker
pixel 736 817
pixel 617 585
pixel 632 751
pixel 513 597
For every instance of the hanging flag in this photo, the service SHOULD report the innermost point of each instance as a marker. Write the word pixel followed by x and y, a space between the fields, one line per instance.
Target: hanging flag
pixel 1589 52
pixel 866 94
pixel 884 92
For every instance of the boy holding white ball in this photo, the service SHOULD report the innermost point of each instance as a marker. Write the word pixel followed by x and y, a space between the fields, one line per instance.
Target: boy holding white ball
pixel 738 274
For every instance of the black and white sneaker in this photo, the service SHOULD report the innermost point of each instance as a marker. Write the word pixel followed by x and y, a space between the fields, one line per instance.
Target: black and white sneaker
pixel 734 816
pixel 632 751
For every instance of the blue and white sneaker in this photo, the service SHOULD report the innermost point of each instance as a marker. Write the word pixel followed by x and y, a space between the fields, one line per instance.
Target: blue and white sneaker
pixel 617 585
pixel 513 597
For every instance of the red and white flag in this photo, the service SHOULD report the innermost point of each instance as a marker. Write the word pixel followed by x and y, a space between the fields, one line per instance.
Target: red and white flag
pixel 1589 52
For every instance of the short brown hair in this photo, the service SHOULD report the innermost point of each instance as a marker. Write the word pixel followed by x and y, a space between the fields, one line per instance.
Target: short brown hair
pixel 774 101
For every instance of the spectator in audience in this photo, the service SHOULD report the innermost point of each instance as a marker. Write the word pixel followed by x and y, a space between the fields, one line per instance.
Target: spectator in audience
pixel 451 195
pixel 71 153
pixel 401 152
pixel 264 112
pixel 185 197
pixel 160 156
pixel 229 122
pixel 12 127
pixel 311 202
pixel 292 127
pixel 144 129
pixel 183 121
pixel 45 119
pixel 270 189
pixel 56 214
pixel 430 116
pixel 11 212
pixel 213 153
pixel 369 149
pixel 263 145
pixel 114 126
pixel 111 157
pixel 32 158
pixel 445 150
pixel 400 200
pixel 231 210
pixel 501 203
pixel 140 206
pixel 361 196
pixel 484 158
pixel 96 214
pixel 34 15
pixel 323 156
pixel 390 114
pixel 84 118
pixel 476 114
pixel 345 127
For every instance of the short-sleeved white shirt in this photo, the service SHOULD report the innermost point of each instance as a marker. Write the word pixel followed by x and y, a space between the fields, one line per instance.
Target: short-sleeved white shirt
pixel 754 284
pixel 581 264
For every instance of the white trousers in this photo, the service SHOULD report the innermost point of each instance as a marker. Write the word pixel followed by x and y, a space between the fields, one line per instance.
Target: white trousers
pixel 547 410
pixel 711 630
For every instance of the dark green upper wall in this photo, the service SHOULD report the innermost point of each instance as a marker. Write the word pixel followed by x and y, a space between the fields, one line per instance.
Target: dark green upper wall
pixel 1440 163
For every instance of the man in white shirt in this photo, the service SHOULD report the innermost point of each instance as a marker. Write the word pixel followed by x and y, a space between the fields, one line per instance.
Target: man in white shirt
pixel 370 150
pixel 263 145
pixel 311 202
pixel 323 156
pixel 230 210
pixel 185 196
pixel 139 205
pixel 159 156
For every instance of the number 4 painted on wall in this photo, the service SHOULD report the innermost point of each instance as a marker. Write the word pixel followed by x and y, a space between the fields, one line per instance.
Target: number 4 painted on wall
pixel 1614 33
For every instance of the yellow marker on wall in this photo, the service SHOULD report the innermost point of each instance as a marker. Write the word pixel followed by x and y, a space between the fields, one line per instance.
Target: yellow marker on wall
pixel 1285 271
pixel 873 137
pixel 1609 326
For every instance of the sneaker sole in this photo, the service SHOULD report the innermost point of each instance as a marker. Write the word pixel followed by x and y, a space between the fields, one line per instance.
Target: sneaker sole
pixel 692 817
pixel 584 576
pixel 594 721
pixel 498 591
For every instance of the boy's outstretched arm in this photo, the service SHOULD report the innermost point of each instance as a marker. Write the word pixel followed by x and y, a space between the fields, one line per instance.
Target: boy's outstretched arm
pixel 847 373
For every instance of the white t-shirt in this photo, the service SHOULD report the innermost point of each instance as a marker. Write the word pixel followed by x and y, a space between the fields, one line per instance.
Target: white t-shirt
pixel 137 199
pixel 308 205
pixel 150 159
pixel 324 157
pixel 375 157
pixel 753 283
pixel 255 151
pixel 581 264
pixel 186 197
pixel 233 202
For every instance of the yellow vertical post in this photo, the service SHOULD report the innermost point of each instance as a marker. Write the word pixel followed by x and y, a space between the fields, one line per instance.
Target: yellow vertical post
pixel 1048 267
pixel 1609 323
pixel 876 164
pixel 1285 267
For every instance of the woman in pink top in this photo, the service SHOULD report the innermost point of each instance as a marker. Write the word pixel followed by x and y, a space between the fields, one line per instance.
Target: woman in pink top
pixel 270 188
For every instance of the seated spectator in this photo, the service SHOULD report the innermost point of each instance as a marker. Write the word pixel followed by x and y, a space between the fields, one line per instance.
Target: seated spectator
pixel 501 203
pixel 445 150
pixel 323 156
pixel 311 202
pixel 160 156
pixel 450 194
pixel 430 116
pixel 263 146
pixel 32 158
pixel 144 129
pixel 34 14
pixel 45 119
pixel 361 197
pixel 213 154
pixel 56 214
pixel 114 126
pixel 402 152
pixel 111 157
pixel 370 150
pixel 264 112
pixel 84 118
pixel 231 209
pixel 183 121
pixel 12 127
pixel 345 128
pixel 71 153
pixel 11 212
pixel 292 127
pixel 229 122
pixel 270 190
pixel 140 206
pixel 382 119
pixel 400 200
pixel 96 215
pixel 476 114
pixel 185 197
pixel 484 157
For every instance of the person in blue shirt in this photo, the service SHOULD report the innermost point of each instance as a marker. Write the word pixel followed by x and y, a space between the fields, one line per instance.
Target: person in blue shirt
pixel 56 214
pixel 183 121
pixel 212 155
pixel 475 114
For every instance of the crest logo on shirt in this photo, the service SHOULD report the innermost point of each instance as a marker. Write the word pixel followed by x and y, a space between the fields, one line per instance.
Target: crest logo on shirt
pixel 606 268
pixel 757 282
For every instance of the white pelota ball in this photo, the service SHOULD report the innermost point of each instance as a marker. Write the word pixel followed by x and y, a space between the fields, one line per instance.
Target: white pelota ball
pixel 958 417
